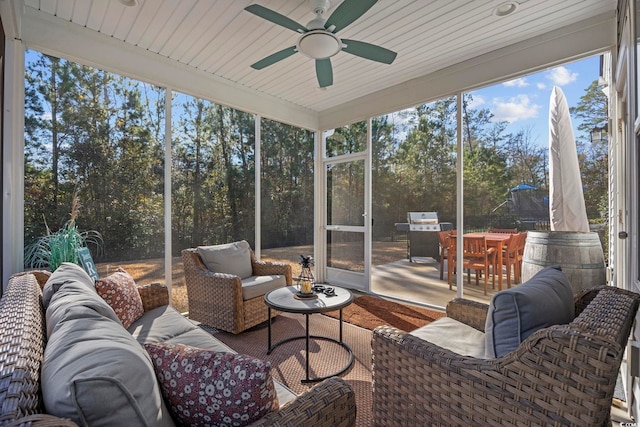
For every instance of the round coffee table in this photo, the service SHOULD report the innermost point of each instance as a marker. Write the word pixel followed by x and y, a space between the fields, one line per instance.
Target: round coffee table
pixel 286 300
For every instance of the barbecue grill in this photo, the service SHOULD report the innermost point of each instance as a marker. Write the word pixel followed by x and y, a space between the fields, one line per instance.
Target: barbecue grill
pixel 422 234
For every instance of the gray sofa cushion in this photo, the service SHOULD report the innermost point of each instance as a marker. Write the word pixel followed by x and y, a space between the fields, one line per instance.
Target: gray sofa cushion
pixel 514 314
pixel 95 373
pixel 71 286
pixel 231 258
pixel 66 273
pixel 160 324
pixel 257 286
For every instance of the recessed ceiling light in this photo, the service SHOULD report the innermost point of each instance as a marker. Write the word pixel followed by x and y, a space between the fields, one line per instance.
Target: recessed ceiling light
pixel 505 8
pixel 129 2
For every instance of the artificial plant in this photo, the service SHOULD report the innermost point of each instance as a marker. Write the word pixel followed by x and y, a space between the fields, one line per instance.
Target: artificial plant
pixel 52 249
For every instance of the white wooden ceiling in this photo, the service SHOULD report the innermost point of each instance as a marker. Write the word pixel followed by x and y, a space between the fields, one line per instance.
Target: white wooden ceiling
pixel 221 39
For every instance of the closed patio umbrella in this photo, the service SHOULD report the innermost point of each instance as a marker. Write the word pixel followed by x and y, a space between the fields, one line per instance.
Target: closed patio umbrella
pixel 569 244
pixel 566 205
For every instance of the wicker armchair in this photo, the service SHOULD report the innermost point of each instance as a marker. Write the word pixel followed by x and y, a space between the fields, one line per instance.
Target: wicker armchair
pixel 561 375
pixel 215 299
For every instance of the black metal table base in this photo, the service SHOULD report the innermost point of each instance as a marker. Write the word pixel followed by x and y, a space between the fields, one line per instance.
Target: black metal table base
pixel 307 337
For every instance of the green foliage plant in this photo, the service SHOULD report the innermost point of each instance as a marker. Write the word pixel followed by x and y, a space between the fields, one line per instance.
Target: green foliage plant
pixel 52 249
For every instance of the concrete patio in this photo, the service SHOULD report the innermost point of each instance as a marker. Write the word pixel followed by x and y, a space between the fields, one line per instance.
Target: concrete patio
pixel 419 283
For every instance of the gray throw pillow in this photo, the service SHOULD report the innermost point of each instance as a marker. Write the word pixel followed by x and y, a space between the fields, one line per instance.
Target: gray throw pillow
pixel 231 258
pixel 514 314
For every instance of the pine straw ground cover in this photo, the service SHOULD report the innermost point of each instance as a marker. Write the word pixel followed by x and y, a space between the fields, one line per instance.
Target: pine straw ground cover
pixel 152 270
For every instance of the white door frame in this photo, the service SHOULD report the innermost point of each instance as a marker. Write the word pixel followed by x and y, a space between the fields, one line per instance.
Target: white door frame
pixel 350 279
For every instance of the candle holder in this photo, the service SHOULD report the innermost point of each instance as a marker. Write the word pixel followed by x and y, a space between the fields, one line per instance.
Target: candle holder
pixel 306 279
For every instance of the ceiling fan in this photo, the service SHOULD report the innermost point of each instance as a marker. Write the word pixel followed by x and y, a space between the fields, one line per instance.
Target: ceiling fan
pixel 318 40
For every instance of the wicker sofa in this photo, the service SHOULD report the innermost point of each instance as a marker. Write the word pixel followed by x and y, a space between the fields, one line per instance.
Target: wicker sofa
pixel 559 375
pixel 220 300
pixel 23 340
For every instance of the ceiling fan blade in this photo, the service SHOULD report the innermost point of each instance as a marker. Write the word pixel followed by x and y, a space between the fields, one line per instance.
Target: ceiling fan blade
pixel 347 12
pixel 369 51
pixel 324 72
pixel 276 18
pixel 273 58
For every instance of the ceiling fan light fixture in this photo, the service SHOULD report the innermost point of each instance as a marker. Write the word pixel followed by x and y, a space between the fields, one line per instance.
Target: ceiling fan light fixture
pixel 506 9
pixel 319 44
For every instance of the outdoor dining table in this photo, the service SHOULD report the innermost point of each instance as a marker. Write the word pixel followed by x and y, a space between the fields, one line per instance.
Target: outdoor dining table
pixel 496 240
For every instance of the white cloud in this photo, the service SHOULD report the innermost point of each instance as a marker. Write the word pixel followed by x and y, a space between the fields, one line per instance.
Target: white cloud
pixel 46 116
pixel 514 109
pixel 520 82
pixel 541 86
pixel 561 76
pixel 477 101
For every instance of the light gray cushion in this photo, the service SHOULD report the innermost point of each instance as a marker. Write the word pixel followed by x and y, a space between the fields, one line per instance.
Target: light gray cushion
pixel 160 324
pixel 256 286
pixel 95 373
pixel 453 335
pixel 67 272
pixel 231 258
pixel 70 286
pixel 201 339
pixel 514 314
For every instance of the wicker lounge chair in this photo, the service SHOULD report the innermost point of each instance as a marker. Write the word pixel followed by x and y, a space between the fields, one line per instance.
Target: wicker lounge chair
pixel 216 299
pixel 560 375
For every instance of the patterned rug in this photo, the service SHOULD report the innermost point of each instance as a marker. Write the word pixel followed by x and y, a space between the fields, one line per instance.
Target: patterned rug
pixel 288 360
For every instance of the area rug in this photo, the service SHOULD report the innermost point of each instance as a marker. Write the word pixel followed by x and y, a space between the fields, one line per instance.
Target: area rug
pixel 360 317
pixel 288 360
pixel 369 312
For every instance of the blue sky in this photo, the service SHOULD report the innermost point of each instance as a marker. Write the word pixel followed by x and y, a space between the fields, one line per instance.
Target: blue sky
pixel 524 102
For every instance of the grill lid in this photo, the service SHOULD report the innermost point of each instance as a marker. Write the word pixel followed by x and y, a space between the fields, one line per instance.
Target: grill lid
pixel 423 218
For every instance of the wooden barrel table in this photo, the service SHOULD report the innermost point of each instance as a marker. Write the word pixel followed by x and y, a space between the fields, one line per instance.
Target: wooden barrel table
pixel 579 254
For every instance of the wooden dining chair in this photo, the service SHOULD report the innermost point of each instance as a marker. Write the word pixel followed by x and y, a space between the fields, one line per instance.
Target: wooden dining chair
pixel 521 242
pixel 477 256
pixel 452 253
pixel 502 230
pixel 443 239
pixel 512 257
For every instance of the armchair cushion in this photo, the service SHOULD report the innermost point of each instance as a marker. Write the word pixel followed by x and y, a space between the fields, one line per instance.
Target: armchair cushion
pixel 231 258
pixel 256 286
pixel 453 335
pixel 514 314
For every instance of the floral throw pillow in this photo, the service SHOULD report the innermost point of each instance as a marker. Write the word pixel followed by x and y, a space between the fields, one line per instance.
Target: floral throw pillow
pixel 120 292
pixel 209 388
